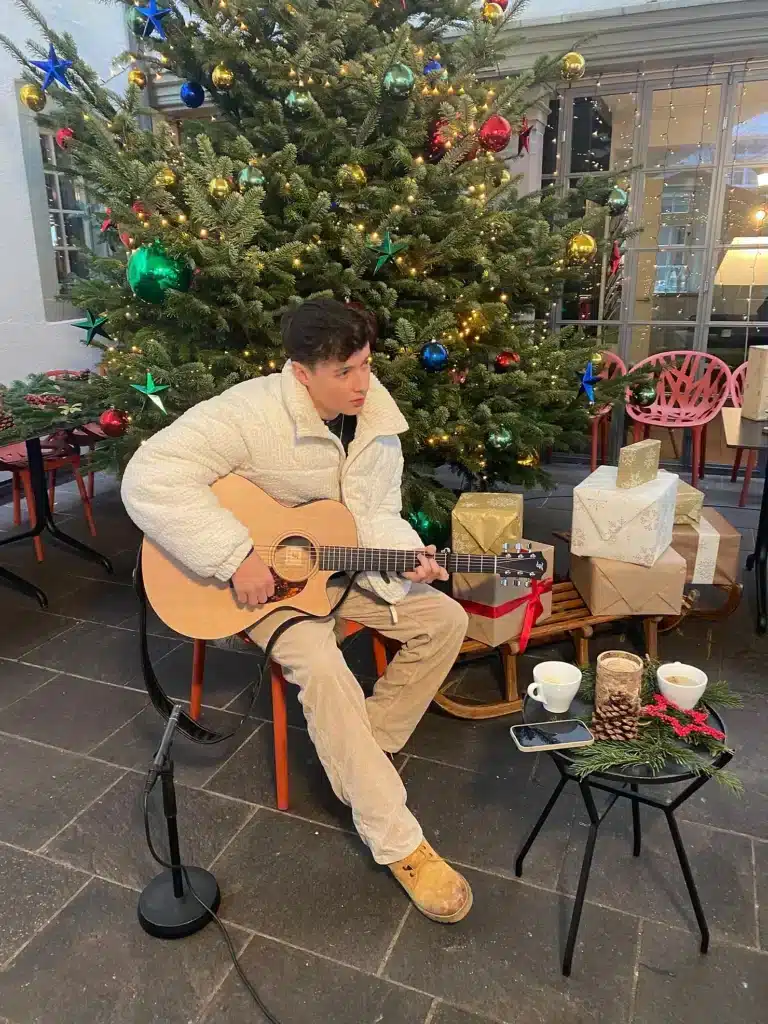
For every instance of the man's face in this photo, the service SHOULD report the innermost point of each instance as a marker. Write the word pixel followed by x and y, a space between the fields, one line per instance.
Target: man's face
pixel 337 387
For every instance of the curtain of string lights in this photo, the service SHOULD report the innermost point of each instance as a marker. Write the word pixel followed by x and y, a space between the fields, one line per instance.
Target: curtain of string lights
pixel 690 145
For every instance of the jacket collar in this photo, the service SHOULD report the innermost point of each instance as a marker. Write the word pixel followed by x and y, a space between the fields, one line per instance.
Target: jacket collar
pixel 379 416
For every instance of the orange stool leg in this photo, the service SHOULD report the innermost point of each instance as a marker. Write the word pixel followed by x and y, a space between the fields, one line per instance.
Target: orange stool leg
pixel 52 488
pixel 637 431
pixel 198 671
pixel 26 483
pixel 280 730
pixel 88 512
pixel 16 500
pixel 91 475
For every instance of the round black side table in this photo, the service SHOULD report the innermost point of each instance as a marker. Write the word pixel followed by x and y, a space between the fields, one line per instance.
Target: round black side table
pixel 625 782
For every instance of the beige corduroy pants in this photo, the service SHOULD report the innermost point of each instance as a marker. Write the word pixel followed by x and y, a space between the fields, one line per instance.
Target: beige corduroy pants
pixel 352 733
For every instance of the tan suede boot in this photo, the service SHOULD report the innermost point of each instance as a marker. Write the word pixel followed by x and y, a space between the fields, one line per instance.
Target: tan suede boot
pixel 438 891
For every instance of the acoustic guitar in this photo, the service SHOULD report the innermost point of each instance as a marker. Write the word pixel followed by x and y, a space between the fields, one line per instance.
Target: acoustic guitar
pixel 303 546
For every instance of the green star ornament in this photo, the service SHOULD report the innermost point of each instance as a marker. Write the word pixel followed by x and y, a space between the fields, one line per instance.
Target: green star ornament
pixel 385 249
pixel 93 327
pixel 150 391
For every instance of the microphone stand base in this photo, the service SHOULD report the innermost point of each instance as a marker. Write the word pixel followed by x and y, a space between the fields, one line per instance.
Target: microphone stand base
pixel 167 916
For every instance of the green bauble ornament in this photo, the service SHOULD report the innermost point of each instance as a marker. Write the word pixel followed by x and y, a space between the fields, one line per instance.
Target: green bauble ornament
pixel 298 101
pixel 642 395
pixel 151 272
pixel 431 532
pixel 250 176
pixel 398 82
pixel 500 438
pixel 617 201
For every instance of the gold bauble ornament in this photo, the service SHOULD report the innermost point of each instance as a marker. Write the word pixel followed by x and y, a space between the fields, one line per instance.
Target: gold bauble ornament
pixel 572 66
pixel 165 178
pixel 222 76
pixel 219 188
pixel 596 358
pixel 492 12
pixel 351 174
pixel 581 247
pixel 33 97
pixel 530 460
pixel 137 77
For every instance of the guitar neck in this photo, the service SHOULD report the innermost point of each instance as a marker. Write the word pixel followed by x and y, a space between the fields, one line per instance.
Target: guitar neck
pixel 394 561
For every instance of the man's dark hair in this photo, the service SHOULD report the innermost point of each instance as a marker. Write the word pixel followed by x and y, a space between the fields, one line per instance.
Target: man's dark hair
pixel 322 329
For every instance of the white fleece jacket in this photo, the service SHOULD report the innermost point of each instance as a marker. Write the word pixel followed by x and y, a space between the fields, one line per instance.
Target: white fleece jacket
pixel 268 431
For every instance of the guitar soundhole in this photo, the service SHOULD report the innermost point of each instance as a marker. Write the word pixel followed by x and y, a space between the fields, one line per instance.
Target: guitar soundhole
pixel 294 560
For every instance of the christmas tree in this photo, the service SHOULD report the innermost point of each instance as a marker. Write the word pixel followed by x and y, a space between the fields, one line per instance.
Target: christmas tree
pixel 329 147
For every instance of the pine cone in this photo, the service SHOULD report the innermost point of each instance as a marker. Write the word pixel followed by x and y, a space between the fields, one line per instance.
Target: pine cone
pixel 6 420
pixel 616 718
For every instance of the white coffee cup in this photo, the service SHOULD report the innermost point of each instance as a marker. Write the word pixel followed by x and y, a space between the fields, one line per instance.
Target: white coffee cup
pixel 686 695
pixel 555 684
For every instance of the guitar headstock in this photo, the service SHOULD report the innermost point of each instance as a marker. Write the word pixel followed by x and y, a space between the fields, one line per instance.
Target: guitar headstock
pixel 520 564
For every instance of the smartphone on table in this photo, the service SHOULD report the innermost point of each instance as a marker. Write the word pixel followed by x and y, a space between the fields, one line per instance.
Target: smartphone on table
pixel 551 735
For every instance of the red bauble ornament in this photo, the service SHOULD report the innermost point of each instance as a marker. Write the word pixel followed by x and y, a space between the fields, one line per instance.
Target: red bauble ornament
pixel 114 422
pixel 63 135
pixel 126 239
pixel 139 207
pixel 438 136
pixel 614 263
pixel 459 376
pixel 503 4
pixel 106 224
pixel 495 133
pixel 505 360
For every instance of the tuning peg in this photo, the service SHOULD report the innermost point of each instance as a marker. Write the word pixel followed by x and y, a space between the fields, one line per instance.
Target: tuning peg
pixel 446 551
pixel 518 546
pixel 505 548
pixel 504 581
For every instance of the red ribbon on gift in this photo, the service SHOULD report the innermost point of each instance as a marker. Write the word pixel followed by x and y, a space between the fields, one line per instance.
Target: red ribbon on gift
pixel 533 610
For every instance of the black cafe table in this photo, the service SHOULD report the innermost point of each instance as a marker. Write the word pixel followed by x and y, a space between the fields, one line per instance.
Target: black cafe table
pixel 741 433
pixel 624 783
pixel 43 521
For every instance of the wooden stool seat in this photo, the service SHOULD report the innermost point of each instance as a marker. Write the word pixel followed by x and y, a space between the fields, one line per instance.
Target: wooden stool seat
pixel 569 616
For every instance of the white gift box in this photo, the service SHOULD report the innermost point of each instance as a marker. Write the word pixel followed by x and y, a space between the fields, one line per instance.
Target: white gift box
pixel 627 524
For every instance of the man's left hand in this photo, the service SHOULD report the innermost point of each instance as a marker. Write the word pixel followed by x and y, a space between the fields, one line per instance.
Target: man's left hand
pixel 428 570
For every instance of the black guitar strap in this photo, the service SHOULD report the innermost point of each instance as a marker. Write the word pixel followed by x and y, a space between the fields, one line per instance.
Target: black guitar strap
pixel 163 703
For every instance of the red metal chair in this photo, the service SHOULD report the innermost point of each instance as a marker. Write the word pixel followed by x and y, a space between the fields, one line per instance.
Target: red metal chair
pixel 89 435
pixel 611 366
pixel 691 389
pixel 279 707
pixel 738 378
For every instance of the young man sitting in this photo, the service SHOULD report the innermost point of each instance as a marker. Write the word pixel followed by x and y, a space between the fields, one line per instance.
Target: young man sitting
pixel 322 428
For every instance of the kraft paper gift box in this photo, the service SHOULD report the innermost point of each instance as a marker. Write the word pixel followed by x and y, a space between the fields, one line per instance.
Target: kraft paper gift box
pixel 609 587
pixel 710 549
pixel 482 523
pixel 629 524
pixel 638 463
pixel 688 505
pixel 755 405
pixel 499 614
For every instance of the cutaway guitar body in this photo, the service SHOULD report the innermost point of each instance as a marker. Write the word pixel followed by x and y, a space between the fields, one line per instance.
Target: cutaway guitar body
pixel 287 539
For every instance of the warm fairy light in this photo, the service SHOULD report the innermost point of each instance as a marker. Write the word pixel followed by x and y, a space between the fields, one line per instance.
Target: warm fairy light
pixel 182 218
pixel 419 159
pixel 760 216
pixel 503 298
pixel 297 262
pixel 246 353
pixel 291 73
pixel 271 364
pixel 412 271
pixel 399 260
pixel 411 199
pixel 164 222
pixel 375 236
pixel 203 232
pixel 396 208
pixel 360 227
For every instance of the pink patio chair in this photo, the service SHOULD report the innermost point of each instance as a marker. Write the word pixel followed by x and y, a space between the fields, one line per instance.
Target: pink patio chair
pixel 738 377
pixel 691 389
pixel 611 366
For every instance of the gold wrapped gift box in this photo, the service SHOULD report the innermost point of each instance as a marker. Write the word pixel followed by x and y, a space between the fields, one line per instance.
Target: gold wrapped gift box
pixel 638 463
pixel 688 504
pixel 482 523
pixel 616 588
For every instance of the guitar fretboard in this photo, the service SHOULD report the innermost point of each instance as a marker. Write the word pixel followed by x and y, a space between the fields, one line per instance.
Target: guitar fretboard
pixel 391 560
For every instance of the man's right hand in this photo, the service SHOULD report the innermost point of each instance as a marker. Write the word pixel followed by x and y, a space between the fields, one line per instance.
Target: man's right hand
pixel 253 582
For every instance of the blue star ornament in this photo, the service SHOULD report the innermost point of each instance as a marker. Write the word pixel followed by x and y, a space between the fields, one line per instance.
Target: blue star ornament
pixel 154 16
pixel 55 69
pixel 587 382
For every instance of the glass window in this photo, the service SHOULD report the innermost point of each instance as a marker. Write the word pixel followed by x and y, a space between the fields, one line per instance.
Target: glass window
pixel 668 282
pixel 603 133
pixel 647 340
pixel 740 284
pixel 596 297
pixel 676 207
pixel 551 140
pixel 684 126
pixel 749 135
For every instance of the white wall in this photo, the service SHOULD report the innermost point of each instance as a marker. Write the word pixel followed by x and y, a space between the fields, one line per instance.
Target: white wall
pixel 537 9
pixel 28 343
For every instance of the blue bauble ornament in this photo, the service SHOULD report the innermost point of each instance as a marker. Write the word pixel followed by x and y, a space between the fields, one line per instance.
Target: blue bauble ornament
pixel 192 94
pixel 433 356
pixel 432 67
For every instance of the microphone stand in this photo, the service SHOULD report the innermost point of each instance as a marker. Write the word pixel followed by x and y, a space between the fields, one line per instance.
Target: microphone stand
pixel 168 909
